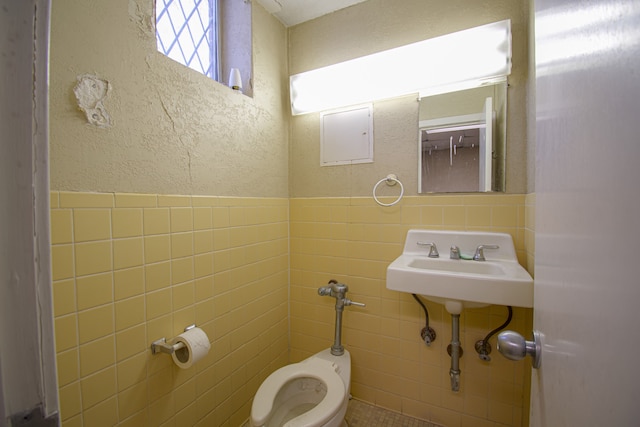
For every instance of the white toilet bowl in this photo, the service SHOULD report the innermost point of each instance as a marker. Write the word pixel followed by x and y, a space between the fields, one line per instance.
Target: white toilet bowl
pixel 311 393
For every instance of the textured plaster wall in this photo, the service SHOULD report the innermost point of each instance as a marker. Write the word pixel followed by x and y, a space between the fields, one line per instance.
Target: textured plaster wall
pixel 377 25
pixel 173 131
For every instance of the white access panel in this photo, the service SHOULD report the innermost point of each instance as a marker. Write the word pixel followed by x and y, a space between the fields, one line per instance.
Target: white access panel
pixel 346 136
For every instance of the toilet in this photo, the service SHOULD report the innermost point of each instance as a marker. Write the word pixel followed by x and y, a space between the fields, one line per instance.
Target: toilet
pixel 311 393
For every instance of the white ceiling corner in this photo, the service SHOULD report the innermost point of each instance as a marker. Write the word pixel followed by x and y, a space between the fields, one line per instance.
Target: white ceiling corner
pixel 293 12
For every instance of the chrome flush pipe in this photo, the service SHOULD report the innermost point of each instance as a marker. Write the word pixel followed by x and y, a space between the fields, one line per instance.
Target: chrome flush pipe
pixel 338 291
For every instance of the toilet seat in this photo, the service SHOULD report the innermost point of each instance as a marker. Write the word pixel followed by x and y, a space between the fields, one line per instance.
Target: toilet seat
pixel 311 368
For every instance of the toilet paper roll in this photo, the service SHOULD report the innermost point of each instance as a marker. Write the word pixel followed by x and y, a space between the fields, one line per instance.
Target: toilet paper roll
pixel 196 346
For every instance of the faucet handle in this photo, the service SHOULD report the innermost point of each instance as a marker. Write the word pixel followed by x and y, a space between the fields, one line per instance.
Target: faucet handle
pixel 433 250
pixel 479 255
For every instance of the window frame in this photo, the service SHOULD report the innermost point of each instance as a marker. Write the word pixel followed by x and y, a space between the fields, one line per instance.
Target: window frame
pixel 234 41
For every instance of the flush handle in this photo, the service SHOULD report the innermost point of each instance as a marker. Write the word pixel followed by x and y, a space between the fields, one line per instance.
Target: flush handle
pixel 358 304
pixel 513 346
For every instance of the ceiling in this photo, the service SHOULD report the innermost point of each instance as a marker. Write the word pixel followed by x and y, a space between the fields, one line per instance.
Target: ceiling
pixel 293 12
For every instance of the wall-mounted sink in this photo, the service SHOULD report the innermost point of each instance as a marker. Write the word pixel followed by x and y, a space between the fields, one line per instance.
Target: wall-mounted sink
pixel 460 283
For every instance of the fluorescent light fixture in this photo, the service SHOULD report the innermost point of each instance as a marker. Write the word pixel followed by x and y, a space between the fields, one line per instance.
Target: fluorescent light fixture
pixel 476 55
pixel 454 87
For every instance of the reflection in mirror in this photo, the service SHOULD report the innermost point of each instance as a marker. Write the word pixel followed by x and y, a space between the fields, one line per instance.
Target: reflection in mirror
pixel 462 141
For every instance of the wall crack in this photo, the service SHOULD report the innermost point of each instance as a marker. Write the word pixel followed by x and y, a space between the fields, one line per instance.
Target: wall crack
pixel 178 136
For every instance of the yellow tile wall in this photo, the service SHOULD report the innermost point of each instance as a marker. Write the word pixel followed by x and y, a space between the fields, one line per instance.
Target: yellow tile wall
pixel 132 268
pixel 353 240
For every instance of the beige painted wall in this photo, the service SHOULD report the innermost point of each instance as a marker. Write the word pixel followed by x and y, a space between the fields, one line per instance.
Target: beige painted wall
pixel 174 131
pixel 377 25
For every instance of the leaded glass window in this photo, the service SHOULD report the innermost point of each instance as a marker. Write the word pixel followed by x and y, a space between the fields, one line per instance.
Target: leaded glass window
pixel 186 32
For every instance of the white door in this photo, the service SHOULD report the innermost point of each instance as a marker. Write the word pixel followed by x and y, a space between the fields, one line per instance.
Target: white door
pixel 486 147
pixel 28 389
pixel 587 249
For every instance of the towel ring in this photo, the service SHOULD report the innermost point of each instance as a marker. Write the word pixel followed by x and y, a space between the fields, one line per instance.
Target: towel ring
pixel 391 180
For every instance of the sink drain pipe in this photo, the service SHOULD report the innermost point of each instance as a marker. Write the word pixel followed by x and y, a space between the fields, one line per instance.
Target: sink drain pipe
pixel 456 352
pixel 428 334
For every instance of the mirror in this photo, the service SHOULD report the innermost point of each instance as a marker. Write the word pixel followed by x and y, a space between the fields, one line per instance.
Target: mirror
pixel 462 140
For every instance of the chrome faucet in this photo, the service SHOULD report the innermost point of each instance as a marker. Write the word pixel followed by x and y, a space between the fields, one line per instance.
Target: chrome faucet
pixel 433 250
pixel 454 252
pixel 479 255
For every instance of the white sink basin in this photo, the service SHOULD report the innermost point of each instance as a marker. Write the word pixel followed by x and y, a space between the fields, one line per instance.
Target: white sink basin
pixel 460 283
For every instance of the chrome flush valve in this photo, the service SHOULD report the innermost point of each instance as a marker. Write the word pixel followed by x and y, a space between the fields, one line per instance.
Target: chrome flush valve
pixel 338 291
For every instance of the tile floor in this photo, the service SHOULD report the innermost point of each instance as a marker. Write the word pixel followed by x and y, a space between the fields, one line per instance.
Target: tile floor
pixel 361 414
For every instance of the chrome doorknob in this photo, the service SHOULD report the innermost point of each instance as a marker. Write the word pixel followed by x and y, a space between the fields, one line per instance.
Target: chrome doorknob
pixel 513 346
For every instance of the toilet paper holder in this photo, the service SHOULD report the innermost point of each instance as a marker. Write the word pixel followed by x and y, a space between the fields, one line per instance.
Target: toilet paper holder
pixel 161 346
